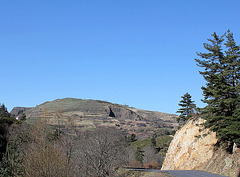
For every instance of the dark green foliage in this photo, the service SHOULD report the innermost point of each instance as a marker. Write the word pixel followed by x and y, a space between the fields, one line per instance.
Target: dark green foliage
pixel 11 164
pixel 221 64
pixel 5 122
pixel 153 140
pixel 139 154
pixel 3 111
pixel 24 117
pixel 154 143
pixel 130 138
pixel 164 142
pixel 164 131
pixel 187 107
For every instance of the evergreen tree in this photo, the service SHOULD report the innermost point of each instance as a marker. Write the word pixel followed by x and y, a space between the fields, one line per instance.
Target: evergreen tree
pixel 139 154
pixel 154 141
pixel 130 138
pixel 24 117
pixel 5 122
pixel 221 93
pixel 187 107
pixel 11 164
pixel 3 111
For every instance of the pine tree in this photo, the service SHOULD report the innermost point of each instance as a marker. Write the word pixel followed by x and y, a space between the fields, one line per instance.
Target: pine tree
pixel 187 107
pixel 139 154
pixel 11 164
pixel 221 93
pixel 24 117
pixel 154 141
pixel 3 111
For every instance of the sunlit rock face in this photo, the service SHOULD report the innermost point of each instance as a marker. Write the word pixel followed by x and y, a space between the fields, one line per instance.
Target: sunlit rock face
pixel 193 148
pixel 190 146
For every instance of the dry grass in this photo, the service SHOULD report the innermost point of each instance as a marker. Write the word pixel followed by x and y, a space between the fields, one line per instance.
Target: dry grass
pixel 93 113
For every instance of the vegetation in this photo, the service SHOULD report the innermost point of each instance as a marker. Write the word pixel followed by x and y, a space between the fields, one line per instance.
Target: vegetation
pixel 92 113
pixel 221 70
pixel 152 151
pixel 3 111
pixel 139 154
pixel 130 138
pixel 187 108
pixel 39 149
pixel 11 164
pixel 62 149
pixel 5 122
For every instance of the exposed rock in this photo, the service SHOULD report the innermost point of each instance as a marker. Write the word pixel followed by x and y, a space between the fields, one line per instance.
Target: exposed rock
pixel 94 113
pixel 111 113
pixel 193 148
pixel 18 111
pixel 120 112
pixel 97 108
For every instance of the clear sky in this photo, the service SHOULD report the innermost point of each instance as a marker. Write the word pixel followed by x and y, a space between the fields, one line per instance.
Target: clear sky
pixel 135 52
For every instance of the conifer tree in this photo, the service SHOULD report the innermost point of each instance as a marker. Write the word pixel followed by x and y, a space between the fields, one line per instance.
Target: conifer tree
pixel 24 117
pixel 3 111
pixel 221 65
pixel 139 154
pixel 187 107
pixel 11 164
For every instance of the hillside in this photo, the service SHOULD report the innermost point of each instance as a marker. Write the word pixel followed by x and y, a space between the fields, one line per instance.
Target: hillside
pixel 92 113
pixel 193 148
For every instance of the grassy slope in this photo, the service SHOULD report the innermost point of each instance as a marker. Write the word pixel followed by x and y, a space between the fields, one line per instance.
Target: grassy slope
pixel 93 113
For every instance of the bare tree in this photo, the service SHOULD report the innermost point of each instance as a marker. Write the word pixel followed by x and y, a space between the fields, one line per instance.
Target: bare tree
pixel 98 152
pixel 43 156
pixel 150 156
pixel 101 152
pixel 46 160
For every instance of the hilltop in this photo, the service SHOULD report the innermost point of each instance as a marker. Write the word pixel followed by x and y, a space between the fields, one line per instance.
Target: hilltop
pixel 93 113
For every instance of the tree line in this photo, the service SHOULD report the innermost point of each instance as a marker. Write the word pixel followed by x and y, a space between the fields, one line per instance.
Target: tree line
pixel 44 148
pixel 221 70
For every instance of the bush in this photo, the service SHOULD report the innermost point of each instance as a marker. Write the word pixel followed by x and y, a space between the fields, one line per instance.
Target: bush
pixel 152 165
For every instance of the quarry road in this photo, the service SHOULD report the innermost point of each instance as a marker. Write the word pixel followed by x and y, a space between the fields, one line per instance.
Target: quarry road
pixel 189 173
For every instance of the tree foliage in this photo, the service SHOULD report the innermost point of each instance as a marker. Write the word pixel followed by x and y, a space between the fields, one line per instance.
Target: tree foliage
pixel 11 164
pixel 130 138
pixel 187 107
pixel 221 70
pixel 5 122
pixel 3 111
pixel 139 155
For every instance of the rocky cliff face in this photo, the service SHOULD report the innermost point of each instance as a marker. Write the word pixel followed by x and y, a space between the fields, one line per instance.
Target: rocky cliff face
pixel 193 148
pixel 122 113
pixel 18 111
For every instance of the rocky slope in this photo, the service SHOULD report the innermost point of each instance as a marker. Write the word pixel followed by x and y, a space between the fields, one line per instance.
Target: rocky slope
pixel 193 148
pixel 92 113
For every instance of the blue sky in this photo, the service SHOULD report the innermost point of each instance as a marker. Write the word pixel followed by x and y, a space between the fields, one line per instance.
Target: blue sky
pixel 134 52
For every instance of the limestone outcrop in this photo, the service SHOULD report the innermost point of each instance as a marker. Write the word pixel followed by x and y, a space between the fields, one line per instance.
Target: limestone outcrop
pixel 193 148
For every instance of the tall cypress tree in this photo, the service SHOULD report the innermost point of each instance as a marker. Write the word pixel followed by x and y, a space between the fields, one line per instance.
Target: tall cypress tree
pixel 221 93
